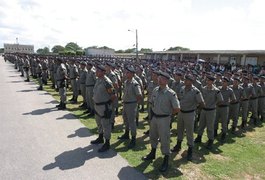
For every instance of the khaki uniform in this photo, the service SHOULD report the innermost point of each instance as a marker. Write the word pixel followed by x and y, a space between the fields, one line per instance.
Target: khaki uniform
pixel 211 97
pixel 189 99
pixel 39 73
pixel 151 86
pixel 26 68
pixel 249 90
pixel 82 80
pixel 261 102
pixel 45 71
pixel 131 91
pixel 253 103
pixel 102 102
pixel 234 107
pixel 61 82
pixel 73 75
pixel 176 86
pixel 163 102
pixel 90 83
pixel 223 108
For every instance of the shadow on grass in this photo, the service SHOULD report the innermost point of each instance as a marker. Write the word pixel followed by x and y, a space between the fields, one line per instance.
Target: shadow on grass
pixel 129 173
pixel 77 157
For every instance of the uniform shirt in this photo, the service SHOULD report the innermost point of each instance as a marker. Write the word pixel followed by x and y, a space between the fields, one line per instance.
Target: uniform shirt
pixel 61 72
pixel 239 93
pixel 38 68
pixel 73 71
pixel 113 77
pixel 100 90
pixel 90 77
pixel 45 65
pixel 228 95
pixel 262 85
pixel 211 96
pixel 100 94
pixel 164 101
pixel 151 86
pixel 198 84
pixel 83 73
pixel 26 63
pixel 218 83
pixel 138 79
pixel 190 98
pixel 176 86
pixel 249 90
pixel 258 90
pixel 131 90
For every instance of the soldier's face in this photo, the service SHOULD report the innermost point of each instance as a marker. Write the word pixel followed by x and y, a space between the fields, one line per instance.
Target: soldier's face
pixel 129 75
pixel 162 80
pixel 235 83
pixel 99 73
pixel 187 82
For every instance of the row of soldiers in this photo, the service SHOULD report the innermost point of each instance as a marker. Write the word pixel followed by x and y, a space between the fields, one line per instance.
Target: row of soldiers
pixel 200 100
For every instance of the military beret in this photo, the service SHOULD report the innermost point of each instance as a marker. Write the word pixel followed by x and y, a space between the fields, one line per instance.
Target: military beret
pixel 89 63
pixel 101 67
pixel 235 78
pixel 256 77
pixel 111 64
pixel 245 77
pixel 211 78
pixel 165 74
pixel 218 74
pixel 229 73
pixel 189 77
pixel 178 73
pixel 83 63
pixel 130 68
pixel 226 79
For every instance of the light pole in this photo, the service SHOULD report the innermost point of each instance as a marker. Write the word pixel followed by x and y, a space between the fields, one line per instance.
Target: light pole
pixel 136 44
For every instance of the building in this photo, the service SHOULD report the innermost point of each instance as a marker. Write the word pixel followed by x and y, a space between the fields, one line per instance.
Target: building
pixel 240 57
pixel 99 52
pixel 18 48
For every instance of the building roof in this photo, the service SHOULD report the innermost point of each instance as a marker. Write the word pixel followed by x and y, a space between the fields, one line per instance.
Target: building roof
pixel 210 52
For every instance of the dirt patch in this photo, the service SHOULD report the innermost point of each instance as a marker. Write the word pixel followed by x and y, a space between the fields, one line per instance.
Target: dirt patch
pixel 220 157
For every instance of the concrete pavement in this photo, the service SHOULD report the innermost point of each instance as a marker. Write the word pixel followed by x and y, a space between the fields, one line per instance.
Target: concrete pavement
pixel 39 142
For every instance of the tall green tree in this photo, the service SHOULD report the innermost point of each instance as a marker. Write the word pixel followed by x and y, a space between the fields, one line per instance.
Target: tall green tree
pixel 71 46
pixel 43 51
pixel 57 48
pixel 146 50
pixel 178 48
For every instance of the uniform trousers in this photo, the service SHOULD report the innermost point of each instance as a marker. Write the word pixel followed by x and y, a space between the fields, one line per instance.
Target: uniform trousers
pixel 160 129
pixel 186 122
pixel 207 119
pixel 129 117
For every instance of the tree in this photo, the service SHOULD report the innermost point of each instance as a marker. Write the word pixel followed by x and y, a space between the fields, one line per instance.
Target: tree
pixel 57 48
pixel 43 51
pixel 178 48
pixel 119 51
pixel 131 50
pixel 71 46
pixel 146 50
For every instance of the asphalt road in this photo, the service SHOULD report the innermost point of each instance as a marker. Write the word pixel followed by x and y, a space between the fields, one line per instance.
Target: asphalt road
pixel 39 142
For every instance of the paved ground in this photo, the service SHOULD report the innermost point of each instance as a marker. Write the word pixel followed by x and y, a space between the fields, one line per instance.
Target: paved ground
pixel 39 142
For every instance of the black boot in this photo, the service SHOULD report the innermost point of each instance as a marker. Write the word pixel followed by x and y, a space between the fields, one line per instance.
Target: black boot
pixel 92 113
pixel 150 156
pixel 177 148
pixel 62 107
pixel 124 136
pixel 223 137
pixel 243 125
pixel 105 147
pixel 164 166
pixel 59 105
pixel 137 121
pixel 112 126
pixel 255 121
pixel 132 143
pixel 233 130
pixel 189 156
pixel 147 132
pixel 40 88
pixel 209 144
pixel 198 139
pixel 215 133
pixel 99 140
pixel 83 105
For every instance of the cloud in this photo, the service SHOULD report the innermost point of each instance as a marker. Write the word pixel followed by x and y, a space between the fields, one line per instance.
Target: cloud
pixel 197 24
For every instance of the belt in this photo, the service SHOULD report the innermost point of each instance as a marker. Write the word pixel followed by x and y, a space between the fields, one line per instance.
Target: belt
pixel 60 80
pixel 90 85
pixel 103 103
pixel 187 111
pixel 262 97
pixel 253 98
pixel 160 115
pixel 131 102
pixel 82 83
pixel 223 106
pixel 208 109
pixel 234 103
pixel 72 78
pixel 245 100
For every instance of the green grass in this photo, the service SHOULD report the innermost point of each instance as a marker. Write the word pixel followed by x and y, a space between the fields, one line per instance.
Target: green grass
pixel 241 157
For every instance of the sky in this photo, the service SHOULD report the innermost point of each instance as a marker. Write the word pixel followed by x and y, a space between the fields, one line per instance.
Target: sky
pixel 195 24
